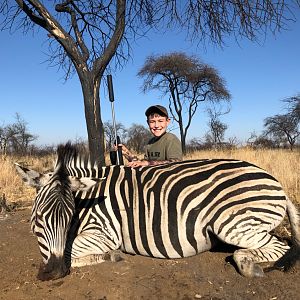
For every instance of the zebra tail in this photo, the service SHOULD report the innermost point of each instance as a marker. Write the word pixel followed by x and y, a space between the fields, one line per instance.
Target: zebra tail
pixel 294 217
pixel 289 259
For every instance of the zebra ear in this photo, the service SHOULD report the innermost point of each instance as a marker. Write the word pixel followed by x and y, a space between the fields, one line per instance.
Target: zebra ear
pixel 31 177
pixel 84 183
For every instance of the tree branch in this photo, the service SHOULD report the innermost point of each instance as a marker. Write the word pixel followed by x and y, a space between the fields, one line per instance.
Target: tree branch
pixel 63 7
pixel 101 63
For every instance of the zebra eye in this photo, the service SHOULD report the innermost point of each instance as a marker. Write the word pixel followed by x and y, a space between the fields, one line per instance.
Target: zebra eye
pixel 33 226
pixel 45 178
pixel 36 221
pixel 37 189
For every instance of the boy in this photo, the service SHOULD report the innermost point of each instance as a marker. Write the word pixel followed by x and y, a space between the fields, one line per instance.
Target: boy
pixel 164 147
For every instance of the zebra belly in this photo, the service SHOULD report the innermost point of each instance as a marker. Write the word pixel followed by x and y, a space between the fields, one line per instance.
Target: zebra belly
pixel 162 243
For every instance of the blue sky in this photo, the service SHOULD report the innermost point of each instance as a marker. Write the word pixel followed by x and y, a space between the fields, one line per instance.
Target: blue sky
pixel 258 76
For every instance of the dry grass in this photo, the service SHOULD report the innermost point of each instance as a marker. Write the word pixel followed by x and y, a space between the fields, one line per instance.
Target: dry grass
pixel 11 186
pixel 282 164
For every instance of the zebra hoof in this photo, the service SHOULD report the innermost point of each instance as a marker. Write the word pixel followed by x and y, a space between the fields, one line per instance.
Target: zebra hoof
pixel 258 271
pixel 247 268
pixel 113 256
pixel 252 270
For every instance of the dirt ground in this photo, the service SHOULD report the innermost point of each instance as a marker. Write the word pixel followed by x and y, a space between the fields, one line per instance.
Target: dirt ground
pixel 210 275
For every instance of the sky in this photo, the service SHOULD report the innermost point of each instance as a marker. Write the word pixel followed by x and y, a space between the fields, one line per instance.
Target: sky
pixel 258 76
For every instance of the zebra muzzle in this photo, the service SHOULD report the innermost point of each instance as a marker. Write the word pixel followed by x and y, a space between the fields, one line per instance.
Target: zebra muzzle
pixel 55 268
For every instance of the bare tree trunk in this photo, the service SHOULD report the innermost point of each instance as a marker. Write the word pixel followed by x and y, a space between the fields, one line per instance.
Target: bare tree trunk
pixel 90 89
pixel 182 135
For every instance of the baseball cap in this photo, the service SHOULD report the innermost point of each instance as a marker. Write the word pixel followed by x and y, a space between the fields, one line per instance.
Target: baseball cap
pixel 161 110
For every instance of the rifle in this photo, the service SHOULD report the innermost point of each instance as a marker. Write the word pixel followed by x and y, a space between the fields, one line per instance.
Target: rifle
pixel 116 157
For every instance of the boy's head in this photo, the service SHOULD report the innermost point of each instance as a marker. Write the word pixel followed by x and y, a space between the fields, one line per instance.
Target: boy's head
pixel 157 119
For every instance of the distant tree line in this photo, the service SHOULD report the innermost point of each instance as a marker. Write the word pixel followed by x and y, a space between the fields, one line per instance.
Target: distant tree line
pixel 280 131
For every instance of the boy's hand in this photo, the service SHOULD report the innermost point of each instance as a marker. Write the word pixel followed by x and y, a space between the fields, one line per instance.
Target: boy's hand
pixel 127 154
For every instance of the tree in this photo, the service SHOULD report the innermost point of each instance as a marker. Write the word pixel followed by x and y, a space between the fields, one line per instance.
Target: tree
pixel 109 131
pixel 138 136
pixel 75 25
pixel 22 137
pixel 187 81
pixel 261 141
pixel 216 128
pixel 16 137
pixel 283 127
pixel 195 144
pixel 293 107
pixel 84 35
pixel 6 133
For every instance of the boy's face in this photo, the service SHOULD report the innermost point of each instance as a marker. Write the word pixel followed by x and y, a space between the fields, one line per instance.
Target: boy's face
pixel 158 124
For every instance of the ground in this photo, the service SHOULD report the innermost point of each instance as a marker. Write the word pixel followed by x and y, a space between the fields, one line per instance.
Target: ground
pixel 210 275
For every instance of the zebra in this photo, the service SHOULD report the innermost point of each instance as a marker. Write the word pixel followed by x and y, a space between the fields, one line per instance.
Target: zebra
pixel 84 214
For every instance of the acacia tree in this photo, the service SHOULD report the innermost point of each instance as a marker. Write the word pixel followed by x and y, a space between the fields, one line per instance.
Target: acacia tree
pixel 293 107
pixel 84 35
pixel 187 81
pixel 283 127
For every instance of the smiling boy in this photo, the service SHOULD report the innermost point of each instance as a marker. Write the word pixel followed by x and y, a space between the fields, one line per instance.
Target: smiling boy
pixel 164 147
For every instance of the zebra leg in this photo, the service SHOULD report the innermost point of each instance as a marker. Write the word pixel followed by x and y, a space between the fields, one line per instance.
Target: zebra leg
pixel 88 260
pixel 93 259
pixel 91 247
pixel 247 259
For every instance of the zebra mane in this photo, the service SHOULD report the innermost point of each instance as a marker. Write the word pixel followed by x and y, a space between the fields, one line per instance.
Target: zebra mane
pixel 75 160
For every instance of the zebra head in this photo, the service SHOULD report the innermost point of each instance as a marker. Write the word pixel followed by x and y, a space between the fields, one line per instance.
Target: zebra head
pixel 52 212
